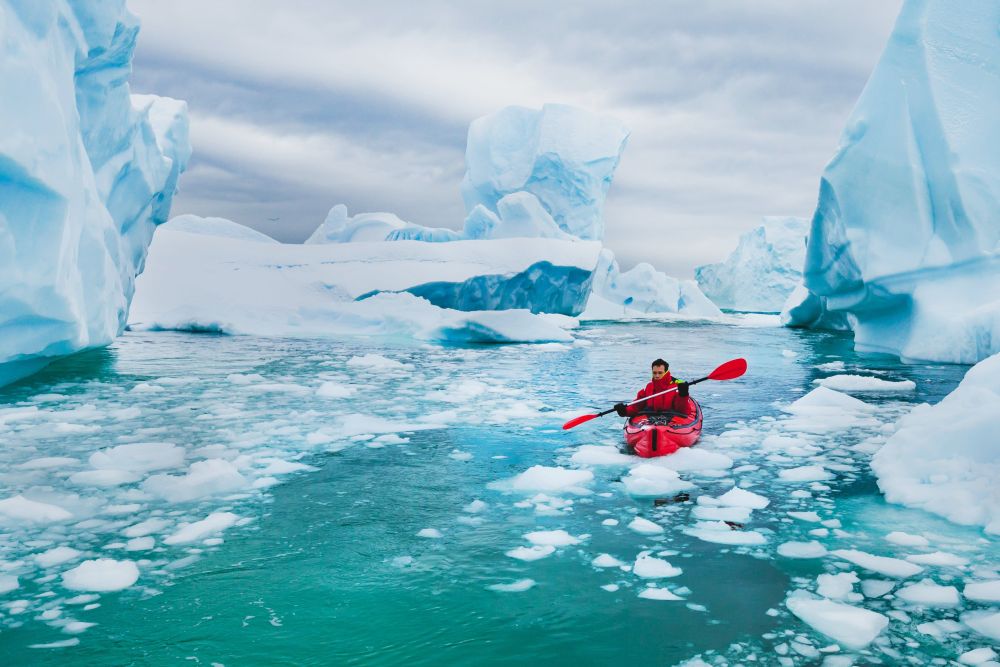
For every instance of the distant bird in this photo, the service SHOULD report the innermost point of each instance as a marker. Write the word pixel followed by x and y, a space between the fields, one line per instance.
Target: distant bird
pixel 274 219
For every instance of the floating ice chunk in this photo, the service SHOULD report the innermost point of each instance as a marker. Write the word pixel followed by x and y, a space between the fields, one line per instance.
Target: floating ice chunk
pixel 906 539
pixel 204 478
pixel 101 575
pixel 658 594
pixel 810 549
pixel 645 526
pixel 890 567
pixel 282 467
pixel 431 533
pixel 876 588
pixel 139 457
pixel 647 479
pixel 611 588
pixel 65 643
pixel 831 366
pixel 813 473
pixel 8 583
pixel 19 508
pixel 376 362
pixel 600 455
pixel 690 459
pixel 547 479
pixel 720 533
pixel 475 507
pixel 459 455
pixel 147 527
pixel 864 383
pixel 56 556
pixel 978 656
pixel 940 558
pixel 48 462
pixel 606 560
pixel 929 594
pixel 531 553
pixel 555 538
pixel 518 586
pixel 334 390
pixel 985 623
pixel 104 478
pixel 852 627
pixel 140 544
pixel 737 497
pixel 823 401
pixel 983 591
pixel 811 517
pixel 737 514
pixel 836 586
pixel 212 524
pixel 649 567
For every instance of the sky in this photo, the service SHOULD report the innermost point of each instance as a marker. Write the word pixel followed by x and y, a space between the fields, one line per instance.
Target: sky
pixel 734 108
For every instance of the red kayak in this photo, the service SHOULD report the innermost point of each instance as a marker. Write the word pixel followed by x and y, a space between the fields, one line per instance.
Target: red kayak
pixel 659 434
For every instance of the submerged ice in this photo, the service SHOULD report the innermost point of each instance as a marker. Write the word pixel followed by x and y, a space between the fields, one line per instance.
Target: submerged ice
pixel 87 171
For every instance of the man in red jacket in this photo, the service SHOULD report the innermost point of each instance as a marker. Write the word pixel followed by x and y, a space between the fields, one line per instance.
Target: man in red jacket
pixel 675 401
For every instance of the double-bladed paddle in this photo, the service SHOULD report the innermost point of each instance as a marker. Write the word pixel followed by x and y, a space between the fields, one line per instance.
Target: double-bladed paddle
pixel 730 370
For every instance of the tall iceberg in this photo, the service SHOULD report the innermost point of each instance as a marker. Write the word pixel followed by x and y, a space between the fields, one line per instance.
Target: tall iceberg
pixel 904 240
pixel 87 171
pixel 763 270
pixel 562 157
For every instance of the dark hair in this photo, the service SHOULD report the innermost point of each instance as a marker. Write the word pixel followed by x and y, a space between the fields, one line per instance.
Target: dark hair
pixel 660 362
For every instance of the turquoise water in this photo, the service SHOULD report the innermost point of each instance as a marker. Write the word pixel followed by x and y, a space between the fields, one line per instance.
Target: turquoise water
pixel 329 569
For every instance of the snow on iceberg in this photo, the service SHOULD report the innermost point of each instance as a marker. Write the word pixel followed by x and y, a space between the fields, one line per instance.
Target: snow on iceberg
pixel 945 458
pixel 465 291
pixel 762 272
pixel 904 240
pixel 642 292
pixel 87 171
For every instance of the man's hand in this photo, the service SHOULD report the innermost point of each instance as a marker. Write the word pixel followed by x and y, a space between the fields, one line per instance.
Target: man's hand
pixel 682 389
pixel 621 408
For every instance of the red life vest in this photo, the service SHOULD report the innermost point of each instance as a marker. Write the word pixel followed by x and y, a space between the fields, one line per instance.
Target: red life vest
pixel 665 403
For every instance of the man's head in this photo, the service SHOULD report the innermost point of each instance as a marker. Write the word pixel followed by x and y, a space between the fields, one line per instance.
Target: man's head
pixel 660 368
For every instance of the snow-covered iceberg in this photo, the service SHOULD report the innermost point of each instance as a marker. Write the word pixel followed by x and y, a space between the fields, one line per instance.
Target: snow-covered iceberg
pixel 905 240
pixel 945 458
pixel 763 270
pixel 643 291
pixel 87 171
pixel 466 291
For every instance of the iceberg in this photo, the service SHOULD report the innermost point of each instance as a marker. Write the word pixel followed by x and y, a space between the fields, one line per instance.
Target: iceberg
pixel 643 292
pixel 905 240
pixel 563 157
pixel 945 459
pixel 762 272
pixel 466 291
pixel 87 171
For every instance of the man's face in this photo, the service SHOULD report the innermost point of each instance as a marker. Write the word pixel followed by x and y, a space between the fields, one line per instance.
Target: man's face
pixel 658 372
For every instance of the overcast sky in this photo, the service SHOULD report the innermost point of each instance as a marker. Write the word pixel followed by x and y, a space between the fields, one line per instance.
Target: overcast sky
pixel 734 108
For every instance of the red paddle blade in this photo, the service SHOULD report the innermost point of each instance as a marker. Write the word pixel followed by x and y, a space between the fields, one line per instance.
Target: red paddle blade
pixel 576 421
pixel 729 370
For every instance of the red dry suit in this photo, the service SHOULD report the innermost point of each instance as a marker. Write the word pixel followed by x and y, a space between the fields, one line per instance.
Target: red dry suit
pixel 667 402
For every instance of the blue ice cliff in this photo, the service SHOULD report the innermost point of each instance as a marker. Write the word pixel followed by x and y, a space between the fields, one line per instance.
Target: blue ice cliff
pixel 87 171
pixel 903 246
pixel 763 270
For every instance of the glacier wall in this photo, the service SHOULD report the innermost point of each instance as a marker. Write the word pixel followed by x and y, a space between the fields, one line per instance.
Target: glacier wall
pixel 904 240
pixel 87 171
pixel 763 270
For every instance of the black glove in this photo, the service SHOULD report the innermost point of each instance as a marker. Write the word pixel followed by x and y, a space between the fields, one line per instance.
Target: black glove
pixel 621 408
pixel 682 389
